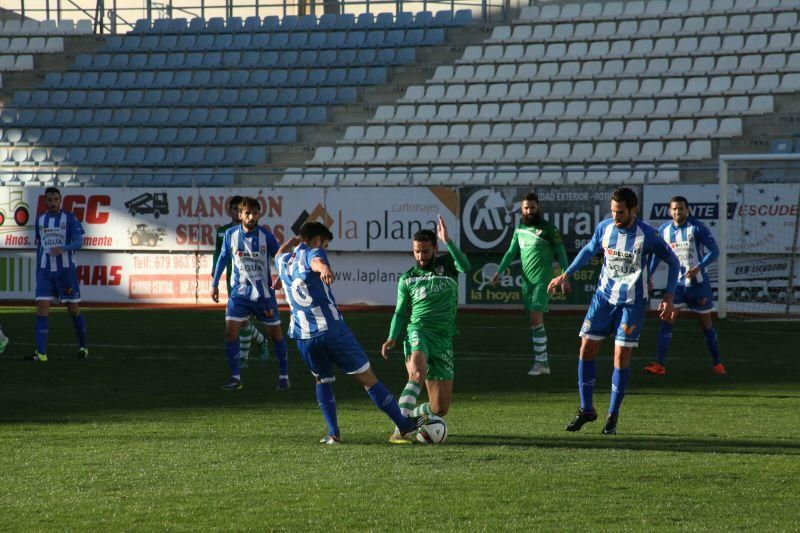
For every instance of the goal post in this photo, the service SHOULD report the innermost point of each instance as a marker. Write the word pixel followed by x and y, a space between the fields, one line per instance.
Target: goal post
pixel 787 304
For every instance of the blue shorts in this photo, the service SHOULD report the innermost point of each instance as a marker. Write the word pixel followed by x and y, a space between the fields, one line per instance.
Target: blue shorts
pixel 62 285
pixel 697 298
pixel 623 320
pixel 336 346
pixel 264 310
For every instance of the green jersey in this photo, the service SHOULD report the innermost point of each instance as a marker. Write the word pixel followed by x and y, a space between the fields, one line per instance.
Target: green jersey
pixel 428 299
pixel 218 248
pixel 536 245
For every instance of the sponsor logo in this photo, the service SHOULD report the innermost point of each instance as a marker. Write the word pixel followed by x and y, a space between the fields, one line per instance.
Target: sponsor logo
pixel 414 340
pixel 318 214
pixel 88 209
pixel 16 208
pixel 622 254
pixel 700 210
pixel 149 203
pixel 144 235
pixel 486 219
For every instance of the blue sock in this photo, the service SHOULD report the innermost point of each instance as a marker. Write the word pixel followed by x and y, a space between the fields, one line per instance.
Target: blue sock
pixel 381 397
pixel 619 382
pixel 327 404
pixel 232 353
pixel 79 323
pixel 282 355
pixel 711 341
pixel 41 334
pixel 587 370
pixel 664 340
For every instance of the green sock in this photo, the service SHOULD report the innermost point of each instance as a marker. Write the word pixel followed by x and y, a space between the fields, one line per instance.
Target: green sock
pixel 539 339
pixel 424 409
pixel 245 337
pixel 258 337
pixel 408 398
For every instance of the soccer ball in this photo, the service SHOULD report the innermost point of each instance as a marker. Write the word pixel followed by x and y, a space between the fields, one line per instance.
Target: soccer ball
pixel 434 432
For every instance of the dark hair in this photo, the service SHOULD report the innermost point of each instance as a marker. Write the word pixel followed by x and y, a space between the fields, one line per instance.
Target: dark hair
pixel 311 230
pixel 530 197
pixel 249 203
pixel 680 199
pixel 51 190
pixel 235 200
pixel 625 195
pixel 425 235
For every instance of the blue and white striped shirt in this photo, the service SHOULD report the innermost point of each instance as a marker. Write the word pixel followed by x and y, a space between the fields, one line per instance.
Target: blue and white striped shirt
pixel 249 253
pixel 626 252
pixel 311 301
pixel 57 230
pixel 694 245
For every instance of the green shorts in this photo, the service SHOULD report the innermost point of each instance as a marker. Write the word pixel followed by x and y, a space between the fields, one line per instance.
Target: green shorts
pixel 438 352
pixel 535 296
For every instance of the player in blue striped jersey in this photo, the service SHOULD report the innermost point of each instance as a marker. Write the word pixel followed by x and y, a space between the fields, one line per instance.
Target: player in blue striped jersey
pixel 58 236
pixel 248 247
pixel 619 304
pixel 322 336
pixel 696 248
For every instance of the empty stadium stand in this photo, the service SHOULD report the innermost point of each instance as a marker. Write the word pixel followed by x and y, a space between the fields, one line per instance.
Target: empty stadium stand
pixel 179 97
pixel 589 92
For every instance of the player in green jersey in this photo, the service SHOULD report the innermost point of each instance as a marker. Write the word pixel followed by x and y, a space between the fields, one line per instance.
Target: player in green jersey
pixel 536 242
pixel 249 332
pixel 427 300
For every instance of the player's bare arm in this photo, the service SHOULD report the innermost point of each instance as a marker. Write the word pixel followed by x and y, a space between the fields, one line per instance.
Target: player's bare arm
pixel 288 245
pixel 666 310
pixel 441 231
pixel 559 282
pixel 321 267
pixel 692 272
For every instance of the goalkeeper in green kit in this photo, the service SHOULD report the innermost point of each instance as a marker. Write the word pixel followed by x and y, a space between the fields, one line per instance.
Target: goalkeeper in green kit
pixel 536 242
pixel 427 300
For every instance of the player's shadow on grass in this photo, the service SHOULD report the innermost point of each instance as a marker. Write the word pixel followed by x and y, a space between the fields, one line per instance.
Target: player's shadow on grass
pixel 650 443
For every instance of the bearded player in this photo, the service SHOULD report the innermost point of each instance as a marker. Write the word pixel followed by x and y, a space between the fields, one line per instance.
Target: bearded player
pixel 427 300
pixel 536 242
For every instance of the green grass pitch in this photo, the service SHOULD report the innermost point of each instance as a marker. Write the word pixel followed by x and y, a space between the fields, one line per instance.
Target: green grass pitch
pixel 141 437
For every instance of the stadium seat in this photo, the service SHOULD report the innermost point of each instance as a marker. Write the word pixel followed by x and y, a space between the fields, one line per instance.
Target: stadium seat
pixel 365 21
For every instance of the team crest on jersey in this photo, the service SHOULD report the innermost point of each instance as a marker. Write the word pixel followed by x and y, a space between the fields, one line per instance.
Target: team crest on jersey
pixel 263 249
pixel 239 254
pixel 414 339
pixel 439 270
